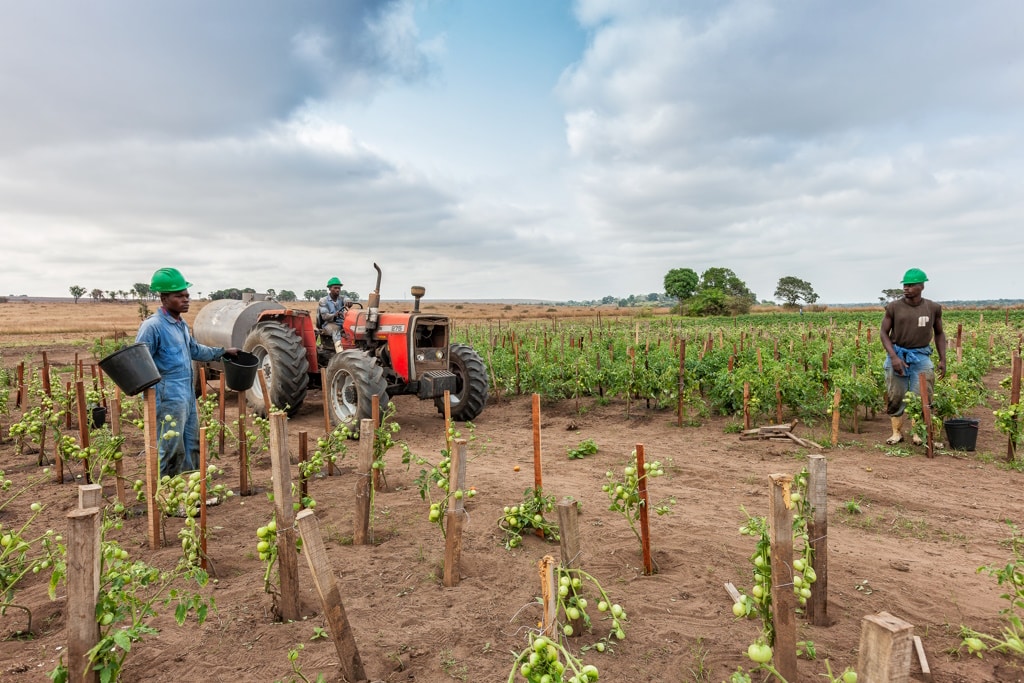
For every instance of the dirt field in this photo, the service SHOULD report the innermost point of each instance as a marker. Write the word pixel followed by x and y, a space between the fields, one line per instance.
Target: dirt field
pixel 924 528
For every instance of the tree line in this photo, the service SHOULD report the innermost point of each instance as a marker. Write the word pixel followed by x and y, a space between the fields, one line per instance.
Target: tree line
pixel 719 291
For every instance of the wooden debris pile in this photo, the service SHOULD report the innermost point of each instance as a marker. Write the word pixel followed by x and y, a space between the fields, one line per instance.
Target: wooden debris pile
pixel 783 432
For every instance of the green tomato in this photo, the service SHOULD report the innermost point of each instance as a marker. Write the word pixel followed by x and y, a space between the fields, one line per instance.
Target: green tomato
pixel 760 653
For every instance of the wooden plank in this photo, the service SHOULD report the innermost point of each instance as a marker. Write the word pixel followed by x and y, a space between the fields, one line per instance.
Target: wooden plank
pixel 733 593
pixel 287 559
pixel 926 671
pixel 330 596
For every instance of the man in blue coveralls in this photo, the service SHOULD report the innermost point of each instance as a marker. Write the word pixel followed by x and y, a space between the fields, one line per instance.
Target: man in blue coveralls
pixel 173 350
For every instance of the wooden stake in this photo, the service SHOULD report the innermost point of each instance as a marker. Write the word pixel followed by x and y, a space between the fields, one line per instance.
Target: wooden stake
pixel 836 398
pixel 330 596
pixel 303 459
pixel 538 480
pixel 746 405
pixel 378 484
pixel 926 414
pixel 267 405
pixel 90 496
pixel 681 408
pixel 569 540
pixel 325 391
pixel 780 517
pixel 817 532
pixel 243 448
pixel 1015 379
pixel 287 560
pixel 645 530
pixel 83 426
pixel 83 583
pixel 455 517
pixel 548 595
pixel 115 430
pixel 203 447
pixel 361 534
pixel 222 416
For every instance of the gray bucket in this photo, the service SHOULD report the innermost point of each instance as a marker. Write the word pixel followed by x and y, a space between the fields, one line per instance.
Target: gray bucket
pixel 132 368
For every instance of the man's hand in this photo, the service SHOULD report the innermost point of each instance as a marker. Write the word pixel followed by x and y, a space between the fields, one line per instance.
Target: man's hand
pixel 898 366
pixel 942 368
pixel 232 352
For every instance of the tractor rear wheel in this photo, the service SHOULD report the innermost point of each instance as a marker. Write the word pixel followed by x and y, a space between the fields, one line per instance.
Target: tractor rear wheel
pixel 353 379
pixel 284 364
pixel 470 395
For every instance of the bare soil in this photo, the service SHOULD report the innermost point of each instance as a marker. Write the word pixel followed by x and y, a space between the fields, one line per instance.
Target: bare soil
pixel 925 527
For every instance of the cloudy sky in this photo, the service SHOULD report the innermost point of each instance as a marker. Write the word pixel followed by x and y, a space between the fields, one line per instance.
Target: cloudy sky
pixel 512 148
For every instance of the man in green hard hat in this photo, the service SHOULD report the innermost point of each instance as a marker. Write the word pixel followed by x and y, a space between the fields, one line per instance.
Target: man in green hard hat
pixel 173 349
pixel 331 313
pixel 908 328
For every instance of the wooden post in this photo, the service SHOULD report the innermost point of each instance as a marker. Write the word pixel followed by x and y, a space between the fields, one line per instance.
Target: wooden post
pixel 817 532
pixel 1015 379
pixel 780 518
pixel 46 375
pixel 303 459
pixel 262 378
pixel 243 448
pixel 83 582
pixel 681 408
pixel 361 534
pixel 926 414
pixel 746 405
pixel 90 496
pixel 455 517
pixel 152 466
pixel 548 595
pixel 115 430
pixel 83 426
pixel 203 457
pixel 645 530
pixel 836 398
pixel 538 479
pixel 330 596
pixel 778 403
pixel 19 401
pixel 222 416
pixel 325 391
pixel 287 560
pixel 885 644
pixel 569 540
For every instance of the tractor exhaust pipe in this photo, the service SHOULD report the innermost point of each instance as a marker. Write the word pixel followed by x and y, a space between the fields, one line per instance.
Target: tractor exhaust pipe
pixel 417 293
pixel 373 305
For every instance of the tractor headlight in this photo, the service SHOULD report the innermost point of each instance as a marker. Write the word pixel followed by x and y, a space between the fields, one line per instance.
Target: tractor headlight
pixel 420 357
pixel 439 354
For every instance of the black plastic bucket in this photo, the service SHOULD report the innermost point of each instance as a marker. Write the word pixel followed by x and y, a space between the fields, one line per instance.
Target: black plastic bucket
pixel 132 368
pixel 97 416
pixel 240 371
pixel 962 433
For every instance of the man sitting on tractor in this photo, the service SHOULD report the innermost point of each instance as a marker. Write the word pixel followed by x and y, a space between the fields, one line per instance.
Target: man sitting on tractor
pixel 331 313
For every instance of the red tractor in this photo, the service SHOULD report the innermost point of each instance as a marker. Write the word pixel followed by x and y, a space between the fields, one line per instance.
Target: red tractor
pixel 382 354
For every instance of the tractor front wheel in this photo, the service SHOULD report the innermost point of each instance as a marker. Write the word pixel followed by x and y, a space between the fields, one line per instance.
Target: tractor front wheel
pixel 470 395
pixel 283 361
pixel 353 379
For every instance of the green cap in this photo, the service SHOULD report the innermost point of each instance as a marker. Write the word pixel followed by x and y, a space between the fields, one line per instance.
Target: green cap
pixel 334 281
pixel 168 280
pixel 914 276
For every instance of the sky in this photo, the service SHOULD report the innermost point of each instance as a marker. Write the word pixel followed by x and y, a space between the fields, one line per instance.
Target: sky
pixel 512 149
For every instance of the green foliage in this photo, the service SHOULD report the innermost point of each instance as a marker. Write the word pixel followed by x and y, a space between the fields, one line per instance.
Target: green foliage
pixel 792 289
pixel 585 448
pixel 681 283
pixel 526 515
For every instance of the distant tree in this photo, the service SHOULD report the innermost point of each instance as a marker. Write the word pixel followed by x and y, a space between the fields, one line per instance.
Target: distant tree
pixel 141 290
pixel 346 294
pixel 721 292
pixel 286 295
pixel 890 295
pixel 711 301
pixel 76 291
pixel 232 293
pixel 681 283
pixel 96 294
pixel 608 299
pixel 271 292
pixel 792 290
pixel 309 295
pixel 653 296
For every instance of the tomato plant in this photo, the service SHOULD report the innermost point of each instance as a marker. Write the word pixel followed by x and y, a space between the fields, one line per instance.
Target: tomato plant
pixel 624 494
pixel 528 514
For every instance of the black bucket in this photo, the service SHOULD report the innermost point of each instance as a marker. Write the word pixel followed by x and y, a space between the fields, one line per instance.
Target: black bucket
pixel 97 416
pixel 240 371
pixel 132 368
pixel 962 433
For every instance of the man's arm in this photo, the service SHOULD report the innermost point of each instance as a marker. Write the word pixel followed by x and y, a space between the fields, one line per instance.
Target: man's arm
pixel 940 342
pixel 898 366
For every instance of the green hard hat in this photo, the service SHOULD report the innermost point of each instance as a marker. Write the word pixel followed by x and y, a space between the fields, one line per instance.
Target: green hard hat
pixel 168 280
pixel 914 276
pixel 334 281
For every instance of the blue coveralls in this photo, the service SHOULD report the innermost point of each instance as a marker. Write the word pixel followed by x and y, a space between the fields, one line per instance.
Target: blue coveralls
pixel 173 350
pixel 328 306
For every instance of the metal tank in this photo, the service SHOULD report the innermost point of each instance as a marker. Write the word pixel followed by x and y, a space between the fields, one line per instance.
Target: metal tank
pixel 226 322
